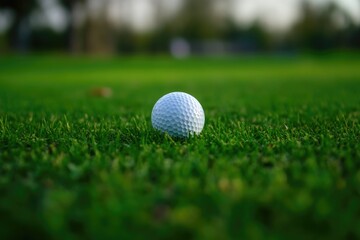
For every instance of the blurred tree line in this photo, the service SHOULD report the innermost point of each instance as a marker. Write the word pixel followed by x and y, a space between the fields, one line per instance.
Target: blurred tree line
pixel 197 21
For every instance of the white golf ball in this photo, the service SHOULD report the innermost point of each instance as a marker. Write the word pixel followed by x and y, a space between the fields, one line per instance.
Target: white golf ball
pixel 179 114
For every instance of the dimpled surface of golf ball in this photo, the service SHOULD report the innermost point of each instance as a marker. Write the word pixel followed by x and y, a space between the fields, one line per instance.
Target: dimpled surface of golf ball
pixel 179 114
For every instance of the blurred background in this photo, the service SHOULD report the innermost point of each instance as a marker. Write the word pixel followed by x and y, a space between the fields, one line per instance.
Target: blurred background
pixel 178 27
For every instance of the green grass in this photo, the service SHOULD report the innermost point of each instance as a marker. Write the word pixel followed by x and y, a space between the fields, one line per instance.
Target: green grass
pixel 279 157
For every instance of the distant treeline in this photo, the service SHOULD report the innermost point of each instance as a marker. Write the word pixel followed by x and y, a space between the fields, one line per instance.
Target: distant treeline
pixel 197 23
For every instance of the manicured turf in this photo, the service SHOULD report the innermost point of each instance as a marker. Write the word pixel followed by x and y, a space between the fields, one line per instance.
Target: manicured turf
pixel 279 157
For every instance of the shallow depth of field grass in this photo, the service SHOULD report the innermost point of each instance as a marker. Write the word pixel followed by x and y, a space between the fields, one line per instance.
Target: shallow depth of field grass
pixel 279 157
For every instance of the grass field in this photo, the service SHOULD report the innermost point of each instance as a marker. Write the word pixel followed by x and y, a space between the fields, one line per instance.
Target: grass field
pixel 279 156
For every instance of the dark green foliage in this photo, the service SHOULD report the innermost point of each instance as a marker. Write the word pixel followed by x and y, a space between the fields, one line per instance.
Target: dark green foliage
pixel 278 157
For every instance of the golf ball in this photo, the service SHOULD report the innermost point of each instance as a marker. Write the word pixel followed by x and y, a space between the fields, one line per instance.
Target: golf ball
pixel 179 114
